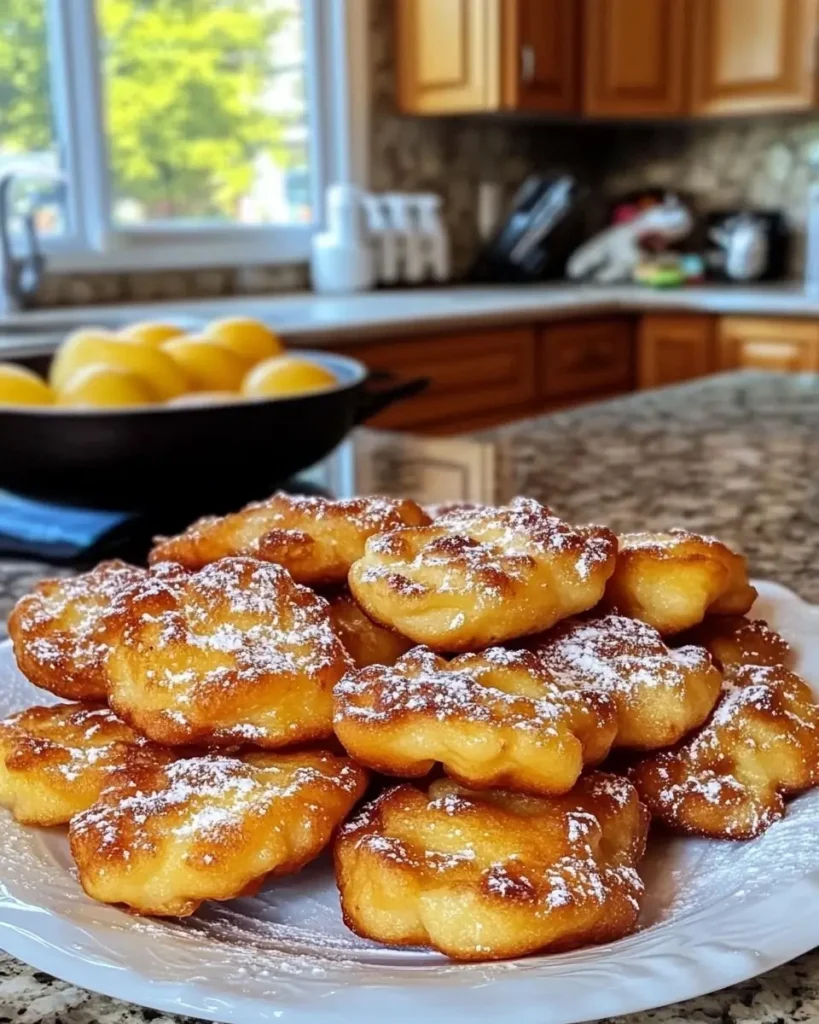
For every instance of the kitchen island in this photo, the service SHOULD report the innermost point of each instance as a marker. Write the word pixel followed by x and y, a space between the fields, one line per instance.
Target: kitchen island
pixel 737 455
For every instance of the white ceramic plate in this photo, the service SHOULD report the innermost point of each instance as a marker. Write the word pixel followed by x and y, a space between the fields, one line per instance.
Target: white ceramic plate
pixel 715 914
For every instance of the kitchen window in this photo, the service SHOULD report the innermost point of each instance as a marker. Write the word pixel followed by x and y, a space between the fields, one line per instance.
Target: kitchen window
pixel 160 133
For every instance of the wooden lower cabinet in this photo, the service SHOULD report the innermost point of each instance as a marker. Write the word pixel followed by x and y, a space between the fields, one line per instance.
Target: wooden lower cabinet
pixel 480 376
pixel 584 358
pixel 768 344
pixel 671 349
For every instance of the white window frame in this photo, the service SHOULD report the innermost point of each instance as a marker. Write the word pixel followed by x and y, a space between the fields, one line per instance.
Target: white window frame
pixel 338 96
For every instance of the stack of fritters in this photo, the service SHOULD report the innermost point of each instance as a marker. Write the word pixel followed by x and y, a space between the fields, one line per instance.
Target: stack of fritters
pixel 494 655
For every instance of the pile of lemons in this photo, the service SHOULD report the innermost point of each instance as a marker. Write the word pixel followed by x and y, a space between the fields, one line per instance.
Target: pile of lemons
pixel 155 363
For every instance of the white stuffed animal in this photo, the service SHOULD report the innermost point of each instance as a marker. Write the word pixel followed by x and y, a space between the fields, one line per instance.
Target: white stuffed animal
pixel 612 256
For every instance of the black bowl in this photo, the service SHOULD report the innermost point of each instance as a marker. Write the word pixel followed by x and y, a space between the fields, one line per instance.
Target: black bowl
pixel 209 456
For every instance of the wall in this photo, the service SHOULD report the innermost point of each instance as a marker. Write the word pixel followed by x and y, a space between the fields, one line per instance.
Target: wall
pixel 763 162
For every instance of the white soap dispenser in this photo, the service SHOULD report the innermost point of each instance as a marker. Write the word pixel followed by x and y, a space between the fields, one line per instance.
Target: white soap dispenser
pixel 434 237
pixel 383 238
pixel 404 224
pixel 342 258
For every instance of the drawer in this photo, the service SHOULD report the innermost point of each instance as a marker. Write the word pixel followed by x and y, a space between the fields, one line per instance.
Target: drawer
pixel 585 357
pixel 470 374
pixel 768 344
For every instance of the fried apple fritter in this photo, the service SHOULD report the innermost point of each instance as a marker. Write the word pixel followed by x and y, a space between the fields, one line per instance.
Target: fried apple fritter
pixel 480 576
pixel 737 640
pixel 55 761
pixel 660 694
pixel 729 779
pixel 236 653
pixel 673 580
pixel 488 875
pixel 365 641
pixel 210 828
pixel 491 719
pixel 58 631
pixel 315 539
pixel 442 508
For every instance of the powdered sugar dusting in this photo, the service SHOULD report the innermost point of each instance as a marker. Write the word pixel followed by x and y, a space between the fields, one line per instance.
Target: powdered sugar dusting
pixel 424 685
pixel 617 654
pixel 202 800
pixel 238 625
pixel 763 737
pixel 481 550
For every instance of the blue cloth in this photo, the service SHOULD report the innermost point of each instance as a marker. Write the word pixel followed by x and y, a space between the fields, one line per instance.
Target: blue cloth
pixel 39 528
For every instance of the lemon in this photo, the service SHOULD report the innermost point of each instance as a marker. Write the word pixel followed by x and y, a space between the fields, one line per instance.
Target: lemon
pixel 69 356
pixel 208 365
pixel 21 386
pixel 286 375
pixel 150 332
pixel 250 339
pixel 86 347
pixel 101 386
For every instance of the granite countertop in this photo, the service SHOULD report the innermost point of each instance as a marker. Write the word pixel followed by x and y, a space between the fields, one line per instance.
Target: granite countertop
pixel 735 454
pixel 321 320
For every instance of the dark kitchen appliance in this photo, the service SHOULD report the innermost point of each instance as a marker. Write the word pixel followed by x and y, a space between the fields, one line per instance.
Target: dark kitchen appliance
pixel 544 227
pixel 194 458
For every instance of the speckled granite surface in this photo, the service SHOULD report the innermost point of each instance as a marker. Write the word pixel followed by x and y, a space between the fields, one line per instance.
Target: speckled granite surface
pixel 736 455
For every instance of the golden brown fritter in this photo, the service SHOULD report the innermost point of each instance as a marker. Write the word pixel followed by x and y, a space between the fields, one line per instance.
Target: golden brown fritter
pixel 365 641
pixel 315 539
pixel 737 640
pixel 55 761
pixel 660 694
pixel 673 580
pixel 488 875
pixel 210 828
pixel 491 719
pixel 729 779
pixel 442 508
pixel 480 576
pixel 236 653
pixel 58 630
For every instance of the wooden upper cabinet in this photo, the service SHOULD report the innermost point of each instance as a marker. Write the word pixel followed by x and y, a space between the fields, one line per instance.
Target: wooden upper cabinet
pixel 753 55
pixel 758 344
pixel 540 54
pixel 636 57
pixel 448 56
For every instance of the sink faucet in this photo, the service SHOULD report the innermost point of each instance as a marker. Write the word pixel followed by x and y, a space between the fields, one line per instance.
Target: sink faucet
pixel 20 275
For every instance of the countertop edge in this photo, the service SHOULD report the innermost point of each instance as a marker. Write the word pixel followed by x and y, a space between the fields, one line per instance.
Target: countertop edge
pixel 366 316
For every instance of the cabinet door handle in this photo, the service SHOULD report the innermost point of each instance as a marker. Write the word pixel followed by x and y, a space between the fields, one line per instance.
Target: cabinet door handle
pixel 528 62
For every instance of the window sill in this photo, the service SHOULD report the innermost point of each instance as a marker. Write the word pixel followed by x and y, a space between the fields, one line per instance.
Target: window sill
pixel 149 251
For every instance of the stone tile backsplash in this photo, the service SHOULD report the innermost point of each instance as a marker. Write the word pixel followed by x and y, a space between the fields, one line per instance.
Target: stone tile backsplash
pixel 764 162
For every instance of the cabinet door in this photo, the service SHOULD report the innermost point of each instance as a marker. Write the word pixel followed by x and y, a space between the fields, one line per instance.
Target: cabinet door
pixel 674 348
pixel 471 374
pixel 791 345
pixel 753 55
pixel 586 357
pixel 540 54
pixel 448 56
pixel 635 55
